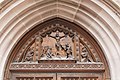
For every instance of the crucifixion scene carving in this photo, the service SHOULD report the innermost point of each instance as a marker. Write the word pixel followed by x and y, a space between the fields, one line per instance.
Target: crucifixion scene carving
pixel 56 43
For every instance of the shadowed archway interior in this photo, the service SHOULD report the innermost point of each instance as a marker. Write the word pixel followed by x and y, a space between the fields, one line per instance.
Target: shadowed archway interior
pixel 57 49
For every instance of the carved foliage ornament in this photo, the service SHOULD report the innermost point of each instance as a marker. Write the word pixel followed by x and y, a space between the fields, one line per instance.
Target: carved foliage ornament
pixel 57 42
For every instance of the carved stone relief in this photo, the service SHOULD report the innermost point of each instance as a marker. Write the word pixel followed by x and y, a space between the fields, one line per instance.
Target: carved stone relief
pixel 85 56
pixel 57 49
pixel 57 43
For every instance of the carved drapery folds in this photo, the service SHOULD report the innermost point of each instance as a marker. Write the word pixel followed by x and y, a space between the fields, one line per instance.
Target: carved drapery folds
pixel 57 42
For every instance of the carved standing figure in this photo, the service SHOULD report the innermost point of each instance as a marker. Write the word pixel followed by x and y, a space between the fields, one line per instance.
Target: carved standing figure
pixel 68 50
pixel 47 52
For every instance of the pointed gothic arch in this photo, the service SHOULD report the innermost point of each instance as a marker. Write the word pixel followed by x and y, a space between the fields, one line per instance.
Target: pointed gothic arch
pixel 86 57
pixel 99 18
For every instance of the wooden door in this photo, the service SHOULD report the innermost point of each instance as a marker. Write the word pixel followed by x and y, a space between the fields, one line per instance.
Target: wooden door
pixel 79 76
pixel 33 76
pixel 56 76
